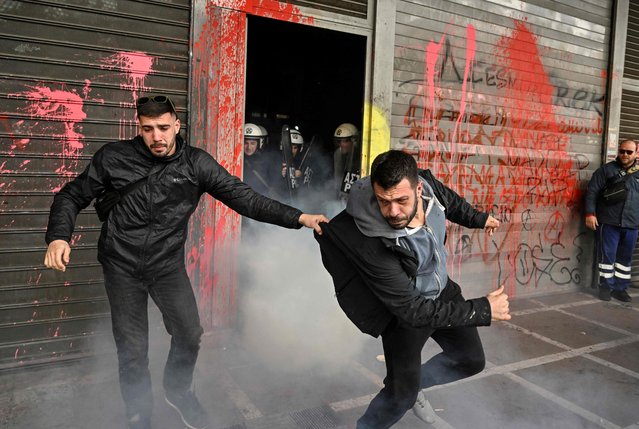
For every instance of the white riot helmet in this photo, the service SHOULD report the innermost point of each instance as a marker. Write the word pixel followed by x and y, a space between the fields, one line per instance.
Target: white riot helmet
pixel 296 137
pixel 345 130
pixel 252 131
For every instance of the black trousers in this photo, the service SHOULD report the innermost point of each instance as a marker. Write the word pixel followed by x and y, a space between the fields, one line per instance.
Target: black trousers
pixel 462 356
pixel 128 297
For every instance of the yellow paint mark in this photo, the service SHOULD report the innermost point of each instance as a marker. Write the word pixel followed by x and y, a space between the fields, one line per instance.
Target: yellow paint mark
pixel 376 135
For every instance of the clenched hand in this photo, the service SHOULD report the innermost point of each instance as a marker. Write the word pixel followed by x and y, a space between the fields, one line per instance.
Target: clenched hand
pixel 57 256
pixel 499 304
pixel 491 225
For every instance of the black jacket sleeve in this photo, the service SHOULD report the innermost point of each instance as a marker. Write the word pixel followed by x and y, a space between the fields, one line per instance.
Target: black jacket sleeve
pixel 595 186
pixel 73 197
pixel 380 269
pixel 458 210
pixel 239 196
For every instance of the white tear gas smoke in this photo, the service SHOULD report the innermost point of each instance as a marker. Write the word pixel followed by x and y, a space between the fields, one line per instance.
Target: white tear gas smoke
pixel 290 318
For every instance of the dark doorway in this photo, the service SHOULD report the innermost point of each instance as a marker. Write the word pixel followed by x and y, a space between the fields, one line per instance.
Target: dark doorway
pixel 305 77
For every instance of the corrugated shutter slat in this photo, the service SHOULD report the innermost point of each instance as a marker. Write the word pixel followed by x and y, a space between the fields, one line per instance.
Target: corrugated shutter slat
pixel 70 73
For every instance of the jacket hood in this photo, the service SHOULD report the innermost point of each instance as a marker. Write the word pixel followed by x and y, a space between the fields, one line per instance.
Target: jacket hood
pixel 180 144
pixel 363 207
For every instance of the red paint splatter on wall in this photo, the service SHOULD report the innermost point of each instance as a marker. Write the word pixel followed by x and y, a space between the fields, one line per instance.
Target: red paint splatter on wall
pixel 470 56
pixel 508 153
pixel 218 77
pixel 534 122
pixel 214 230
pixel 274 9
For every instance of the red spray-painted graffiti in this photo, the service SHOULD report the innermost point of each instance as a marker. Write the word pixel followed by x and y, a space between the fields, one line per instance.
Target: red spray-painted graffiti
pixel 505 148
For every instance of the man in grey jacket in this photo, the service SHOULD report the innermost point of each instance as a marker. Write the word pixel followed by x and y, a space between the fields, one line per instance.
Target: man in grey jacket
pixel 387 258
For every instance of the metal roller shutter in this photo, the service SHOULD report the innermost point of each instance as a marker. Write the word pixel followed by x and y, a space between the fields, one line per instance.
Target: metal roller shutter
pixel 71 70
pixel 355 8
pixel 629 123
pixel 505 102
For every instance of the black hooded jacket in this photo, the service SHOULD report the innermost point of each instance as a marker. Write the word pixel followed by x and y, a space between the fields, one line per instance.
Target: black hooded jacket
pixel 374 278
pixel 145 232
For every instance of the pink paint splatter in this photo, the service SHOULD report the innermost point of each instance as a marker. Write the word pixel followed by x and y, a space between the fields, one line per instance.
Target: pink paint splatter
pixel 57 105
pixel 58 112
pixel 432 54
pixel 470 56
pixel 135 66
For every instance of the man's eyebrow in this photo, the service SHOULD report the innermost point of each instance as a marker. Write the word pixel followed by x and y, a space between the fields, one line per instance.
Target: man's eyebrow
pixel 403 197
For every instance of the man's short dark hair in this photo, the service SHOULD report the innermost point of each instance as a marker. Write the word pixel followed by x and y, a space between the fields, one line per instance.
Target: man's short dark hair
pixel 154 106
pixel 390 168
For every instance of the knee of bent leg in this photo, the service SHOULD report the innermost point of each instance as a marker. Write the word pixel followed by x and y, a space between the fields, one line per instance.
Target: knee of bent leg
pixel 473 365
pixel 189 338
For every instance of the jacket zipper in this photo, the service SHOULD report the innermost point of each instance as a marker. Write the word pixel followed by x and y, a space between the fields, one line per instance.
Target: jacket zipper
pixel 149 229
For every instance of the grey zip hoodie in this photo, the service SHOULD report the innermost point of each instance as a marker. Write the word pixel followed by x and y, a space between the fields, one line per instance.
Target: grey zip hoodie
pixel 426 242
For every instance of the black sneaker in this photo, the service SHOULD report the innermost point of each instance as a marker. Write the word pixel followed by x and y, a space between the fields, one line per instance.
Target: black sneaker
pixel 139 421
pixel 621 295
pixel 189 408
pixel 604 293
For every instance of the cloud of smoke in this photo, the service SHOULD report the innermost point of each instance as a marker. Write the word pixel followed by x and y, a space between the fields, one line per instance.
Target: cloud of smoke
pixel 290 318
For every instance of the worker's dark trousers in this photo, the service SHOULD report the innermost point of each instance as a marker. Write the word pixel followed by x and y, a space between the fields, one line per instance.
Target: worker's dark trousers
pixel 128 297
pixel 615 246
pixel 462 356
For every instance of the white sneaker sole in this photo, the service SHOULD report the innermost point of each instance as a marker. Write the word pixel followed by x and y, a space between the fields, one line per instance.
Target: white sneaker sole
pixel 188 425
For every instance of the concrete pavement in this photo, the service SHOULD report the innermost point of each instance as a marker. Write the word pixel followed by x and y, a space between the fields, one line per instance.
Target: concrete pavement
pixel 564 361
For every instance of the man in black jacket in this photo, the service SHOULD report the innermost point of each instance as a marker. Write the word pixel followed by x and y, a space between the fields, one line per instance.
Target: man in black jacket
pixel 386 256
pixel 612 211
pixel 141 246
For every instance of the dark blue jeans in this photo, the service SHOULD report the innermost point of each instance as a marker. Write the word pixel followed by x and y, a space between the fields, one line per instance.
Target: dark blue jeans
pixel 462 356
pixel 128 297
pixel 615 246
